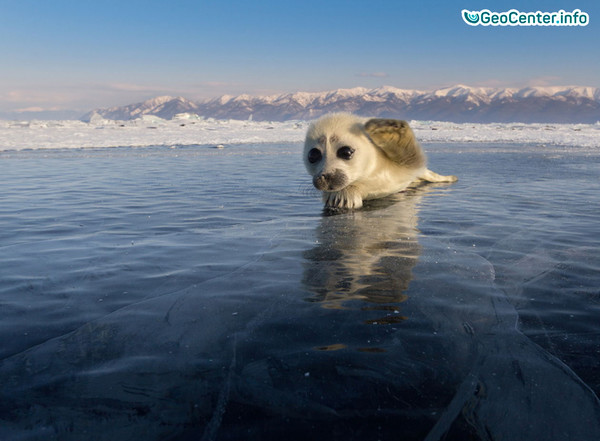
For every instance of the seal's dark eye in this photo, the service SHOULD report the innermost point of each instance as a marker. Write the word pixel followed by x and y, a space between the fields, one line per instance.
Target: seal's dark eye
pixel 314 155
pixel 345 152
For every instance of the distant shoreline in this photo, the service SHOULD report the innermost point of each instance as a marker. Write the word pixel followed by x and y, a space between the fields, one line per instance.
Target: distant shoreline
pixel 192 130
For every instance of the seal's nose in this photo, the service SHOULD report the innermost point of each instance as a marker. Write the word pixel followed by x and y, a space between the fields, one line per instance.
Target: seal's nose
pixel 330 181
pixel 321 182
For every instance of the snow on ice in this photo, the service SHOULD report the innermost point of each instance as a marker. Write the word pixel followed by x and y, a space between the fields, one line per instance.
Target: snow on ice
pixel 190 129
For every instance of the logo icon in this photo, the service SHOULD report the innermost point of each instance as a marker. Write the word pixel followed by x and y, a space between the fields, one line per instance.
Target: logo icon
pixel 471 18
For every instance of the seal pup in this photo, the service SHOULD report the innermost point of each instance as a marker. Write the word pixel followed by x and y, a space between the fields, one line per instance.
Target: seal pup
pixel 352 159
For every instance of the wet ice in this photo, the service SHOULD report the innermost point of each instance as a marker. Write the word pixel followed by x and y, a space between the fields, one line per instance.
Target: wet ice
pixel 439 313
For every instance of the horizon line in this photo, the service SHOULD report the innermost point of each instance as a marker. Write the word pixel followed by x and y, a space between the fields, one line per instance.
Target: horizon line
pixel 57 109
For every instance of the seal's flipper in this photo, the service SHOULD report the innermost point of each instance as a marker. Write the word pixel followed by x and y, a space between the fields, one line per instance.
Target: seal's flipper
pixel 397 140
pixel 430 176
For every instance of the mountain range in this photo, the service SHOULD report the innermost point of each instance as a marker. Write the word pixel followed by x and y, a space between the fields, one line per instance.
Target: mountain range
pixel 455 104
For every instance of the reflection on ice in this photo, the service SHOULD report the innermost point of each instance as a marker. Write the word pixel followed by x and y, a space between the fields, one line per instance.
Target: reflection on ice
pixel 300 327
pixel 365 255
pixel 504 377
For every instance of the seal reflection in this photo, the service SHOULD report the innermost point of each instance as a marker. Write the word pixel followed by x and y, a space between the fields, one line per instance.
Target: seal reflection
pixel 363 260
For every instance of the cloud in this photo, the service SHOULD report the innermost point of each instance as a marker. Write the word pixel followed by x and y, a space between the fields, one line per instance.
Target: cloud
pixel 38 109
pixel 493 82
pixel 32 97
pixel 81 97
pixel 548 80
pixel 127 87
pixel 144 91
pixel 372 75
pixel 541 81
pixel 216 84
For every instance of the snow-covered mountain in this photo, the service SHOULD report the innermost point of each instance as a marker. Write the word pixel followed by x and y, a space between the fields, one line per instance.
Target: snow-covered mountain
pixel 163 106
pixel 455 104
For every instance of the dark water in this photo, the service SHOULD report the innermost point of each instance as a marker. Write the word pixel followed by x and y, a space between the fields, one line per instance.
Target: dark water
pixel 200 294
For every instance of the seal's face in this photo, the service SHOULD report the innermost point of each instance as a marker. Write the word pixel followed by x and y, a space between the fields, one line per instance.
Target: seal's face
pixel 337 152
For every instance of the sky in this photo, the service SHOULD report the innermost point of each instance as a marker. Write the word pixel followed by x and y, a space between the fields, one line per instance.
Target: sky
pixel 77 55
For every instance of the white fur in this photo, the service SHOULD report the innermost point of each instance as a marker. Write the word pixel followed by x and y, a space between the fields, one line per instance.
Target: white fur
pixel 374 170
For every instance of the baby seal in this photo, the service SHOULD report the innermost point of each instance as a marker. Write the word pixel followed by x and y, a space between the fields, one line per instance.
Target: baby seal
pixel 352 159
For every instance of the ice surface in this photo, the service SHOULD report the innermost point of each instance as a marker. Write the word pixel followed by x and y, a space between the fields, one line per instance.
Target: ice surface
pixel 195 293
pixel 189 129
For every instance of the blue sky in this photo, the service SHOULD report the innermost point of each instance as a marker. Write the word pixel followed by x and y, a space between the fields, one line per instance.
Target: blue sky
pixel 59 54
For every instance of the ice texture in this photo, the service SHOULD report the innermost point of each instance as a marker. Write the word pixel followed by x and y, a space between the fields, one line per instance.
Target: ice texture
pixel 194 293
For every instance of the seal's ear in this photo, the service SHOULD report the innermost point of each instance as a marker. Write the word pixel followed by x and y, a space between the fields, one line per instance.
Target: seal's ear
pixel 397 140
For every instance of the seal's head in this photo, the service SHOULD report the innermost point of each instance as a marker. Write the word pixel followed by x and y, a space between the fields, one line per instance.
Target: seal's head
pixel 337 152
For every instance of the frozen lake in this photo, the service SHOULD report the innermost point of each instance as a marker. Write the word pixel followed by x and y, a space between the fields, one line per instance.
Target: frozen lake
pixel 193 293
